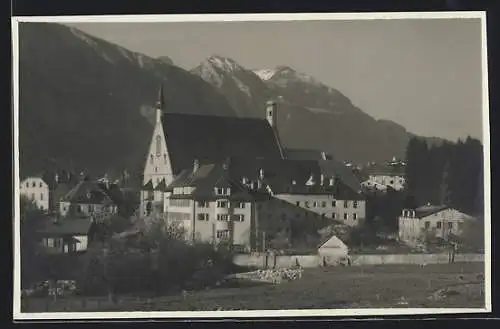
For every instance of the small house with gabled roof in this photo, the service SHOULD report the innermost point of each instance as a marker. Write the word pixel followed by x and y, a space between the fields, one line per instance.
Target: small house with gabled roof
pixel 87 198
pixel 66 235
pixel 441 221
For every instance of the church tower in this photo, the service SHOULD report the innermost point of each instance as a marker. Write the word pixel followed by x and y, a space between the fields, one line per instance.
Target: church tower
pixel 157 169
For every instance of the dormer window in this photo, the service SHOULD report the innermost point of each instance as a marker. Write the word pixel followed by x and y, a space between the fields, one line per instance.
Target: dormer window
pixel 222 191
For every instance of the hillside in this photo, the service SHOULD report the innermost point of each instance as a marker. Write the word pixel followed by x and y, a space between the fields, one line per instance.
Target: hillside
pixel 311 114
pixel 85 101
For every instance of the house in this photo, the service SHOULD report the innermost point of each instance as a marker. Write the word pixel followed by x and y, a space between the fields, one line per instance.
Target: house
pixel 382 178
pixel 332 250
pixel 213 207
pixel 37 190
pixel 66 236
pixel 416 225
pixel 87 198
pixel 179 139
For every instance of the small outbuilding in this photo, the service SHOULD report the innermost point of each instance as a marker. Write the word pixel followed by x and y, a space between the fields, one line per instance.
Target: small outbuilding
pixel 332 250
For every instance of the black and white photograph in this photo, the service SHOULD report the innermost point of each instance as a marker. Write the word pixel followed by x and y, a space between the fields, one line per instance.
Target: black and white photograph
pixel 245 165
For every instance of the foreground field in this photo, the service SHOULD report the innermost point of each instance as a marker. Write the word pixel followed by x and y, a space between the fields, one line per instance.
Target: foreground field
pixel 432 286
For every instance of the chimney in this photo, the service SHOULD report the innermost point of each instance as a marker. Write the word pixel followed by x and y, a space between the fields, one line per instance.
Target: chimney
pixel 56 178
pixel 225 165
pixel 332 181
pixel 271 113
pixel 196 165
pixel 261 173
pixel 294 182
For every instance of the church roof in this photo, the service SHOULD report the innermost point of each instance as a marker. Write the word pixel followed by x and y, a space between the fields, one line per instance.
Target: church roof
pixel 148 186
pixel 215 138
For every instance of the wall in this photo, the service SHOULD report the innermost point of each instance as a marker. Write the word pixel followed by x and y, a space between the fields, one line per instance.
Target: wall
pixel 34 188
pixel 309 261
pixel 326 205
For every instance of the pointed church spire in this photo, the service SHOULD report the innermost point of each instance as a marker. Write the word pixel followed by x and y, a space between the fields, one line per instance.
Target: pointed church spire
pixel 160 103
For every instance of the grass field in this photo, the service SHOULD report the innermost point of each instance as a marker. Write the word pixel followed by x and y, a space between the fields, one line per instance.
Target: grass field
pixel 319 288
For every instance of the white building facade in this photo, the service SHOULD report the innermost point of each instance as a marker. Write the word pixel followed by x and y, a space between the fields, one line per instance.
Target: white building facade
pixel 37 190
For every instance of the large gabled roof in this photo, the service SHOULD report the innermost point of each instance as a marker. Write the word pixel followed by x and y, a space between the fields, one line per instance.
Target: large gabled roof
pixel 214 138
pixel 87 192
pixel 204 181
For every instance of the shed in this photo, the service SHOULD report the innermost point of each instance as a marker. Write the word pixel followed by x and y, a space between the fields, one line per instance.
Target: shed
pixel 332 250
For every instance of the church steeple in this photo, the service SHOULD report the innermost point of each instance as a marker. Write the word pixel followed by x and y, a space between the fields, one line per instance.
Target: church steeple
pixel 160 104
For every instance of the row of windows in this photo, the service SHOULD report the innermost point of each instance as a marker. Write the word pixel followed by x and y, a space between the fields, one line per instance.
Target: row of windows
pixel 333 216
pixel 33 184
pixel 226 217
pixel 222 234
pixel 322 204
pixel 440 225
pixel 227 204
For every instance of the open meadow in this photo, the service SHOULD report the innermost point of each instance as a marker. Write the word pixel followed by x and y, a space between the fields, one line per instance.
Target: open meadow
pixel 459 285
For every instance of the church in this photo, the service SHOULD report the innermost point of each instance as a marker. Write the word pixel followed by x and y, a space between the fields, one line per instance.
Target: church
pixel 251 145
pixel 180 139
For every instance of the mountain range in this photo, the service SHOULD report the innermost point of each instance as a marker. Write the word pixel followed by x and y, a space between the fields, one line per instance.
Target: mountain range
pixel 86 103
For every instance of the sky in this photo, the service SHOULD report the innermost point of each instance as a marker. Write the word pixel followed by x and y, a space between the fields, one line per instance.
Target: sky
pixel 424 74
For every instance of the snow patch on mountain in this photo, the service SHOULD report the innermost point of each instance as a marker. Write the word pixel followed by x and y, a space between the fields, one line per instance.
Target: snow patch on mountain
pixel 265 74
pixel 224 63
pixel 209 74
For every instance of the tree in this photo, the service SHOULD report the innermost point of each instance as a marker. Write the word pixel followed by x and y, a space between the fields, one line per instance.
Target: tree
pixel 445 193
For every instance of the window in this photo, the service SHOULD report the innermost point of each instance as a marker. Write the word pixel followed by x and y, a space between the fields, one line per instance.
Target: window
pixel 57 243
pixel 306 204
pixel 151 159
pixel 334 215
pixel 240 205
pixel 438 225
pixel 391 182
pixel 315 204
pixel 427 225
pixel 203 217
pixel 41 196
pixel 222 217
pixel 297 203
pixel 334 203
pixel 346 216
pixel 33 184
pixel 41 184
pixel 222 204
pixel 222 234
pixel 158 145
pixel 203 204
pixel 90 208
pixel 355 204
pixel 323 204
pixel 239 218
pixel 27 184
pixel 346 204
pixel 50 242
pixel 156 169
pixel 354 216
pixel 450 225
